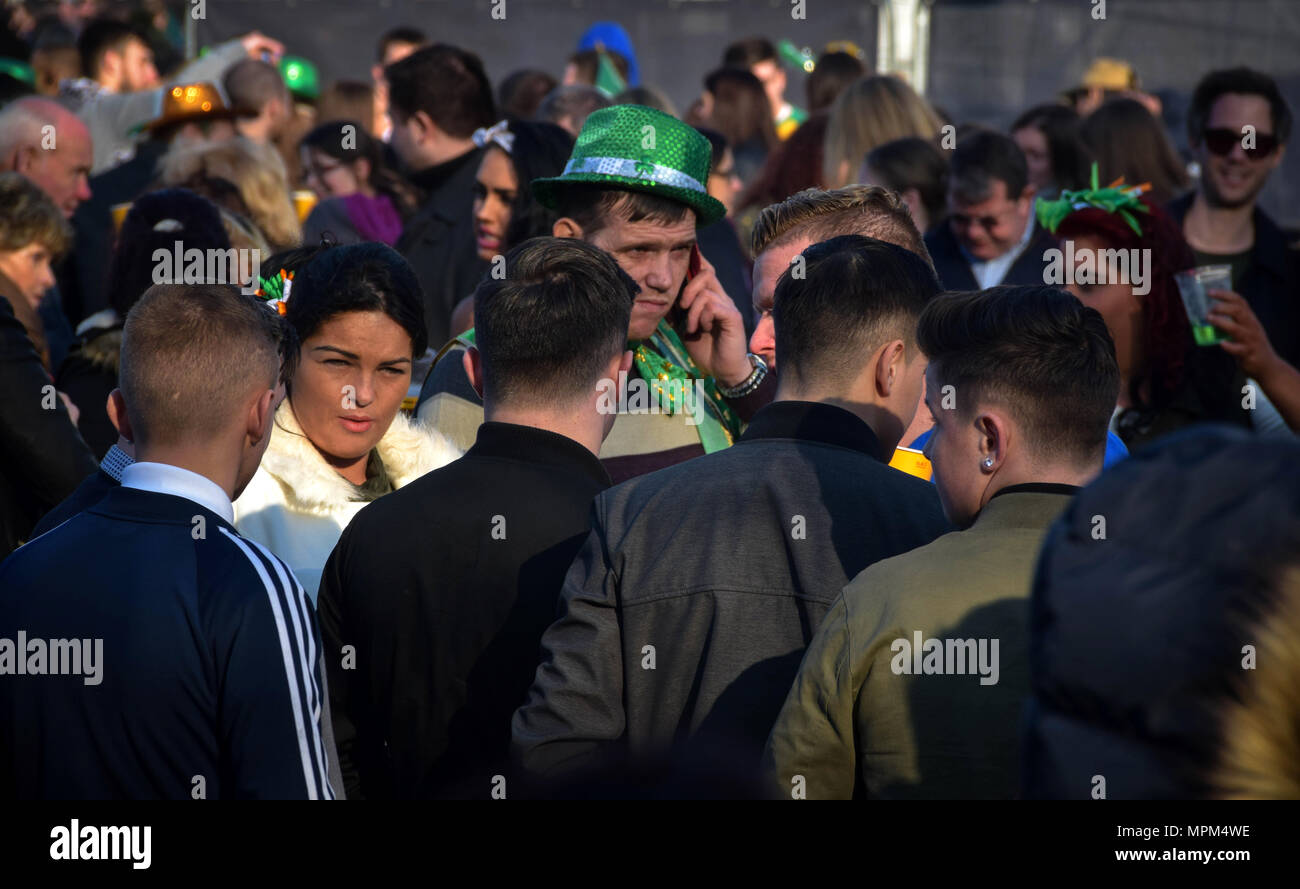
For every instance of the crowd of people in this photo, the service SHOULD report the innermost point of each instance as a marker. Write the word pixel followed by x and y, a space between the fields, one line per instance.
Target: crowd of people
pixel 418 437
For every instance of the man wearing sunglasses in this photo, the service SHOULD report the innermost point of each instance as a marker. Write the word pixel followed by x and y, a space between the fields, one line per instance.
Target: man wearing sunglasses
pixel 1238 126
pixel 990 236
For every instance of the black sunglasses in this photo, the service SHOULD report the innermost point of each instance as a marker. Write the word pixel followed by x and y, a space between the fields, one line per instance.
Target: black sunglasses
pixel 1220 143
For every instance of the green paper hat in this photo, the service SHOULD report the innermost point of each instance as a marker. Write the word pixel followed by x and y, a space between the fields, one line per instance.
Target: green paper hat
pixel 301 77
pixel 639 149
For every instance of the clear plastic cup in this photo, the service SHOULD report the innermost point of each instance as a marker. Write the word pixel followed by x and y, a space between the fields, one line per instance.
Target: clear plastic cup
pixel 1193 286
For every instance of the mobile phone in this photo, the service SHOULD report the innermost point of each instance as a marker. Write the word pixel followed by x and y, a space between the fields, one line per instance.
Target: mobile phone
pixel 676 316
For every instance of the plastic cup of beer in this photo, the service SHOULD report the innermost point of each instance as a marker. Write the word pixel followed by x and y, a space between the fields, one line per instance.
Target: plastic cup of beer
pixel 1194 286
pixel 303 201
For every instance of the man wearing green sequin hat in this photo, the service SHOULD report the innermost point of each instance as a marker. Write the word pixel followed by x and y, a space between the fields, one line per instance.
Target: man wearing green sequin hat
pixel 635 187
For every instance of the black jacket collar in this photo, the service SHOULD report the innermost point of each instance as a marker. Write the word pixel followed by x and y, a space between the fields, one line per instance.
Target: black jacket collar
pixel 529 444
pixel 813 421
pixel 432 179
pixel 1039 488
pixel 1270 248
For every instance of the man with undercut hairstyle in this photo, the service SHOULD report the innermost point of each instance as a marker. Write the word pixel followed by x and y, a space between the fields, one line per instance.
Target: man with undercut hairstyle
pixel 202 680
pixel 914 684
pixel 445 634
pixel 686 613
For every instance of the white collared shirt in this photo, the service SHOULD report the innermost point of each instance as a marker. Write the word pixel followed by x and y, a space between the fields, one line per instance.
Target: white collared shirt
pixel 163 478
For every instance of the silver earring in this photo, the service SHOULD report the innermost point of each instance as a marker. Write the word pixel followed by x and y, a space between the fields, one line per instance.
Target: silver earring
pixel 988 462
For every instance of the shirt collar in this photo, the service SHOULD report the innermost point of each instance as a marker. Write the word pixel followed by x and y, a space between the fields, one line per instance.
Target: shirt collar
pixel 1006 260
pixel 813 421
pixel 163 478
pixel 531 444
pixel 114 462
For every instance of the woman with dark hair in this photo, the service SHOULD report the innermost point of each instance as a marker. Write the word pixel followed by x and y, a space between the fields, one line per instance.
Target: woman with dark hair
pixel 156 221
pixel 1054 150
pixel 340 440
pixel 1167 380
pixel 361 198
pixel 917 171
pixel 505 212
pixel 1128 142
pixel 735 104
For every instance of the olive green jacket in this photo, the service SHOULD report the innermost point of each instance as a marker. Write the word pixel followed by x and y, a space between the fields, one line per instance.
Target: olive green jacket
pixel 873 713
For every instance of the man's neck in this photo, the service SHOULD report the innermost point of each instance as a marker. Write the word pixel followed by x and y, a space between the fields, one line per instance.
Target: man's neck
pixel 107 86
pixel 446 152
pixel 1224 230
pixel 1009 476
pixel 882 422
pixel 217 468
pixel 583 425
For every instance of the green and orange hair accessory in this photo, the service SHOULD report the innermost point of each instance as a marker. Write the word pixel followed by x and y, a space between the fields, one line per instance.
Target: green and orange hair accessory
pixel 275 290
pixel 1116 198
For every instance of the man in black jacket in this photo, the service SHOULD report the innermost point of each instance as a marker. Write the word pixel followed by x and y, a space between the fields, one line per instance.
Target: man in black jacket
pixel 42 457
pixel 1238 127
pixel 684 618
pixel 437 97
pixel 436 596
pixel 990 236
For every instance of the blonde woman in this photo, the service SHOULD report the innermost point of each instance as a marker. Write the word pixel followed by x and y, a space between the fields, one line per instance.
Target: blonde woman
pixel 873 110
pixel 32 234
pixel 241 176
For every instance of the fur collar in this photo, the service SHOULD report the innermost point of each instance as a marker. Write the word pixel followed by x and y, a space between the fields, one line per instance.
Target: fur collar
pixel 408 450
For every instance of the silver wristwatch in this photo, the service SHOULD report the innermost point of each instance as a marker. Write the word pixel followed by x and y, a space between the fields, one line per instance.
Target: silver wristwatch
pixel 750 383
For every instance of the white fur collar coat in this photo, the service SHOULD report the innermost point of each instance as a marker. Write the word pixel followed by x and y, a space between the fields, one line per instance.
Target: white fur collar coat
pixel 298 505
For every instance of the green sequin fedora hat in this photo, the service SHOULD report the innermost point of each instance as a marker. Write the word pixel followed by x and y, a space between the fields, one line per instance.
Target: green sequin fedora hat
pixel 640 149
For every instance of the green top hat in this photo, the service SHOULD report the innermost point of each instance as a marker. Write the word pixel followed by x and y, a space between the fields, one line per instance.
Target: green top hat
pixel 301 77
pixel 639 149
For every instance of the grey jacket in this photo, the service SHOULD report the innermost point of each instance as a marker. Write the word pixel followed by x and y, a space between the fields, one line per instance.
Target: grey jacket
pixel 685 616
pixel 113 118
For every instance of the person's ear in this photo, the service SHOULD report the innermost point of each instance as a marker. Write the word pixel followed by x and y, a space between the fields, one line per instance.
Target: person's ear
pixel 890 365
pixel 625 363
pixel 1027 194
pixel 565 227
pixel 472 361
pixel 260 415
pixel 24 159
pixel 424 126
pixel 1278 154
pixel 992 431
pixel 115 407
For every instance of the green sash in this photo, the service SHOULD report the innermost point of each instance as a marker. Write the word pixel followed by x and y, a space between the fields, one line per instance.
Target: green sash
pixel 663 358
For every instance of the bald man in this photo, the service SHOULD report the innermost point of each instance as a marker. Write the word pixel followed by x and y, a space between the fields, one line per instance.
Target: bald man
pixel 50 146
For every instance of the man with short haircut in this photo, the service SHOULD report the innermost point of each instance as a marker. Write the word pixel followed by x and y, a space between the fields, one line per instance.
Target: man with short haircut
pixel 685 616
pixel 758 56
pixel 693 385
pixel 784 230
pixel 438 96
pixel 204 638
pixel 1238 127
pixel 119 89
pixel 569 106
pixel 443 589
pixel 991 236
pixel 395 45
pixel 257 89
pixel 914 683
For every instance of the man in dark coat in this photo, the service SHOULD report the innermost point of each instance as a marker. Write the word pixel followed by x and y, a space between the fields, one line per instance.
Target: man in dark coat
pixel 42 457
pixel 437 97
pixel 435 598
pixel 1144 621
pixel 1221 219
pixel 685 616
pixel 990 236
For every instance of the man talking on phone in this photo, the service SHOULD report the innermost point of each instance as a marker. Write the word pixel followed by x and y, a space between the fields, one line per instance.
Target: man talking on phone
pixel 635 187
